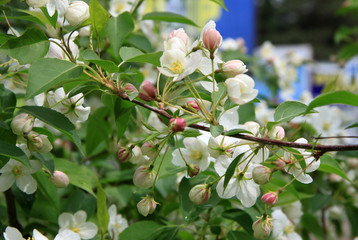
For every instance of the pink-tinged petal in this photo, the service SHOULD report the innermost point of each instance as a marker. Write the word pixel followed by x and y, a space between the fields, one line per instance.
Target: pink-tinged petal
pixel 65 220
pixel 27 184
pixel 88 230
pixel 6 181
pixel 12 234
pixel 80 217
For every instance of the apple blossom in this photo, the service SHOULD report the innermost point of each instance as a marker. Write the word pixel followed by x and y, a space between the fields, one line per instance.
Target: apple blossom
pixel 22 124
pixel 240 89
pixel 262 227
pixel 192 106
pixel 55 51
pixel 233 68
pixel 149 149
pixel 199 194
pixel 16 172
pixel 177 124
pixel 192 170
pixel 144 177
pixel 77 12
pixel 124 153
pixel 60 179
pixel 283 228
pixel 36 3
pixel 116 7
pixel 116 223
pixel 277 132
pixel 38 142
pixel 57 5
pixel 261 174
pixel 77 224
pixel 210 37
pixel 270 198
pixel 147 205
pixel 181 34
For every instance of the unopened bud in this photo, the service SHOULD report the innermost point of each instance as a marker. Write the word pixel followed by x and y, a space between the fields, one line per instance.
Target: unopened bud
pixel 277 132
pixel 192 170
pixel 177 124
pixel 233 68
pixel 149 149
pixel 144 177
pixel 38 142
pixel 179 33
pixel 60 179
pixel 262 227
pixel 212 39
pixel 199 194
pixel 77 12
pixel 36 3
pixel 22 124
pixel 261 174
pixel 280 163
pixel 192 106
pixel 124 153
pixel 147 205
pixel 253 127
pixel 270 198
pixel 147 91
pixel 129 89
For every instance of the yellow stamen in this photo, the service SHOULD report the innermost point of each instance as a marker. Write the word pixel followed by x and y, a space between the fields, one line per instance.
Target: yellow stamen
pixel 120 7
pixel 195 155
pixel 18 171
pixel 289 229
pixel 176 67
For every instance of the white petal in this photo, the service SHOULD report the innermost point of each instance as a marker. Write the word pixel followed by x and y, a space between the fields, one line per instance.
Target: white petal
pixel 230 190
pixel 303 177
pixel 6 181
pixel 65 220
pixel 80 217
pixel 221 164
pixel 12 234
pixel 248 193
pixel 38 236
pixel 88 230
pixel 67 235
pixel 83 113
pixel 177 158
pixel 112 212
pixel 27 184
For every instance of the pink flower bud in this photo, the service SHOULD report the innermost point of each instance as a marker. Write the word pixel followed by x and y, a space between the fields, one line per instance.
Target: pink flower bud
pixel 277 132
pixel 253 127
pixel 270 198
pixel 212 39
pixel 192 106
pixel 22 124
pixel 177 124
pixel 233 68
pixel 77 12
pixel 147 205
pixel 60 179
pixel 280 163
pixel 261 174
pixel 144 177
pixel 38 142
pixel 192 170
pixel 147 91
pixel 149 149
pixel 262 228
pixel 199 194
pixel 179 33
pixel 129 89
pixel 124 153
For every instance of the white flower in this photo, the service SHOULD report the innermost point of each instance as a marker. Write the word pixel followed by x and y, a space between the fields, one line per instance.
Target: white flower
pixel 59 5
pixel 116 224
pixel 293 211
pixel 77 12
pixel 77 224
pixel 12 234
pixel 55 51
pixel 71 107
pixel 295 168
pixel 175 63
pixel 36 3
pixel 116 7
pixel 221 145
pixel 240 89
pixel 241 184
pixel 14 171
pixel 211 25
pixel 283 228
pixel 195 152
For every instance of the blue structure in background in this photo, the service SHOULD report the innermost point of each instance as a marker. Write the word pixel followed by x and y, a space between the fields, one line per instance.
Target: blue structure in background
pixel 239 21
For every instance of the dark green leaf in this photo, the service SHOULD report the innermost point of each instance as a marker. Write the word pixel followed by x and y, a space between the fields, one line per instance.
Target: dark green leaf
pixel 48 189
pixel 98 16
pixel 52 20
pixel 231 170
pixel 152 58
pixel 30 46
pixel 289 110
pixel 330 165
pixel 237 235
pixel 353 125
pixel 140 230
pixel 47 160
pixel 118 28
pixel 348 51
pixel 221 3
pixel 4 125
pixel 47 73
pixel 216 130
pixel 168 17
pixel 338 97
pixel 11 151
pixel 102 212
pixel 107 65
pixel 139 41
pixel 246 112
pixel 56 120
pixel 241 217
pixel 129 52
pixel 190 133
pixel 311 225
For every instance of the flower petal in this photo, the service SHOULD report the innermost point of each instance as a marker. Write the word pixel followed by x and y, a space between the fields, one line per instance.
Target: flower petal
pixel 88 230
pixel 65 220
pixel 6 181
pixel 80 217
pixel 12 234
pixel 27 184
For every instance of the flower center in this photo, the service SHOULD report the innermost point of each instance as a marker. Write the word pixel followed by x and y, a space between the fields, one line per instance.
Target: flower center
pixel 18 171
pixel 176 67
pixel 195 155
pixel 326 126
pixel 118 227
pixel 289 229
pixel 76 229
pixel 120 7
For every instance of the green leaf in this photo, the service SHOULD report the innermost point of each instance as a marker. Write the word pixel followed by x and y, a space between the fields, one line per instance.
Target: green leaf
pixel 330 165
pixel 30 46
pixel 56 120
pixel 142 230
pixel 216 130
pixel 246 112
pixel 289 110
pixel 231 169
pixel 168 17
pixel 353 125
pixel 47 160
pixel 241 217
pixel 98 16
pixel 118 28
pixel 152 58
pixel 338 97
pixel 221 3
pixel 52 20
pixel 348 51
pixel 11 151
pixel 47 73
pixel 311 225
pixel 220 94
pixel 190 133
pixel 80 176
pixel 236 131
pixel 139 41
pixel 48 189
pixel 237 235
pixel 102 212
pixel 107 65
pixel 129 52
